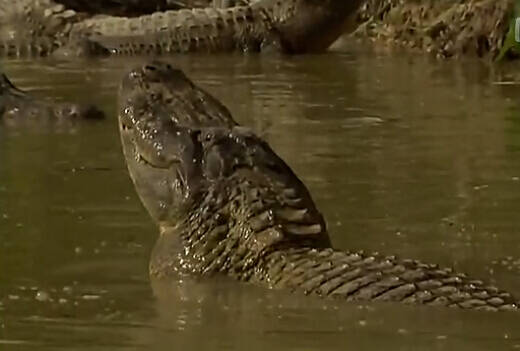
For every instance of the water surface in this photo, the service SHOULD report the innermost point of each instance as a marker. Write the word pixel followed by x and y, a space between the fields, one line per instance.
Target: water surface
pixel 403 155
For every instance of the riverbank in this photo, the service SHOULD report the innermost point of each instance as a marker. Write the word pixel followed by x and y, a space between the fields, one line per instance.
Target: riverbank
pixel 443 28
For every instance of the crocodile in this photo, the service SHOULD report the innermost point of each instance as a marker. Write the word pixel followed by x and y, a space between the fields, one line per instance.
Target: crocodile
pixel 43 27
pixel 18 108
pixel 226 204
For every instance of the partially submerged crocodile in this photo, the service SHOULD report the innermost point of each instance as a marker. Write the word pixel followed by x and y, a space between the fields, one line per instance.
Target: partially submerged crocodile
pixel 19 108
pixel 42 27
pixel 226 203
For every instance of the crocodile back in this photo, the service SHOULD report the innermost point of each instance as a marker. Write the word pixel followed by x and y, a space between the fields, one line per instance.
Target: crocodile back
pixel 248 203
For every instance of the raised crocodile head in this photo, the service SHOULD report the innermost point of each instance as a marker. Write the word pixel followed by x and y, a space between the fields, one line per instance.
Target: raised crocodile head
pixel 160 125
pixel 194 167
pixel 310 25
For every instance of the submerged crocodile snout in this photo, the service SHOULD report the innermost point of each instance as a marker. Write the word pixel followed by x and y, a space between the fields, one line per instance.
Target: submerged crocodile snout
pixel 19 108
pixel 73 111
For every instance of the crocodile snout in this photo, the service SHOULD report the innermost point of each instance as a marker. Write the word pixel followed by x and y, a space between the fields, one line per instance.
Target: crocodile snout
pixel 73 111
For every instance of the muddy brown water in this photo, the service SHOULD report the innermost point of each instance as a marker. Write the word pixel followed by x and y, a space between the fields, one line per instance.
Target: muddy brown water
pixel 404 155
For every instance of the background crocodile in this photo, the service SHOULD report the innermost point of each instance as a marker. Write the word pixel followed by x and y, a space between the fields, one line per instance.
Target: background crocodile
pixel 442 28
pixel 42 27
pixel 19 108
pixel 226 203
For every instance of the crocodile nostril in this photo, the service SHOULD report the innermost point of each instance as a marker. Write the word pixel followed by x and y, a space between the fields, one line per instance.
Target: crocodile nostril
pixel 150 68
pixel 125 127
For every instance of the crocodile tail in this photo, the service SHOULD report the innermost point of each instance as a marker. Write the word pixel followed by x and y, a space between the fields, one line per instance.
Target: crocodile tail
pixel 359 277
pixel 33 27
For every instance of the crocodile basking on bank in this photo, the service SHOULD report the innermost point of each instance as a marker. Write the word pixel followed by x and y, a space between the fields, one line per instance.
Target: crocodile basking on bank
pixel 226 203
pixel 18 108
pixel 42 27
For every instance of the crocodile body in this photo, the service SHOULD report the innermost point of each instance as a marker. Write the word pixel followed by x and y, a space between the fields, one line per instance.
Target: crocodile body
pixel 18 108
pixel 226 204
pixel 42 27
pixel 292 26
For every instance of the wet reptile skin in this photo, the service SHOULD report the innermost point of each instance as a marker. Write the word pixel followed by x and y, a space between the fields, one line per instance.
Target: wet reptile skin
pixel 226 204
pixel 18 108
pixel 43 27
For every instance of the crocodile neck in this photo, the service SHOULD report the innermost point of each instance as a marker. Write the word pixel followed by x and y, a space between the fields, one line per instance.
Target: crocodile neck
pixel 230 228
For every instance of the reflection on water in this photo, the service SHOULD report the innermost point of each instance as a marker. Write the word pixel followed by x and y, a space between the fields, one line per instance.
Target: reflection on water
pixel 403 155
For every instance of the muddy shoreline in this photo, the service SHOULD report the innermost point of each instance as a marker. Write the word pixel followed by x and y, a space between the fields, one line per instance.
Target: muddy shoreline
pixel 443 28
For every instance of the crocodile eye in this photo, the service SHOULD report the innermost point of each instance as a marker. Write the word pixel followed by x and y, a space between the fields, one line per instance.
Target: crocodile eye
pixel 209 137
pixel 150 68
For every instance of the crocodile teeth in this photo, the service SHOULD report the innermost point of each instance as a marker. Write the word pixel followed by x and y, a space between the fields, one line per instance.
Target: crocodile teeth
pixel 291 214
pixel 303 229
